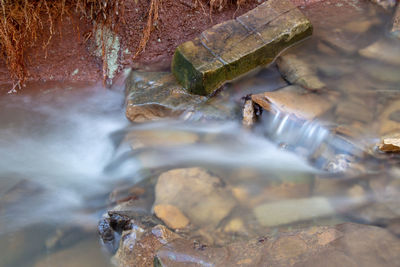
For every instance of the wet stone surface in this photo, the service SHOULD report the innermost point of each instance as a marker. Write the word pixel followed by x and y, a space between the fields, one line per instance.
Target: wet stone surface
pixel 294 100
pixel 156 95
pixel 235 47
pixel 346 244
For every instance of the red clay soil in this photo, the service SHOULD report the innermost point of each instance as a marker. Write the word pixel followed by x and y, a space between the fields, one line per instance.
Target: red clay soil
pixel 69 50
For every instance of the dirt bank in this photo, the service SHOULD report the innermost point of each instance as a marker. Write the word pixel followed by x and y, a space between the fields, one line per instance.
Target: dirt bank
pixel 70 53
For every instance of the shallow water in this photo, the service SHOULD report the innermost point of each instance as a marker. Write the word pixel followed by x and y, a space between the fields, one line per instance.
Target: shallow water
pixel 64 149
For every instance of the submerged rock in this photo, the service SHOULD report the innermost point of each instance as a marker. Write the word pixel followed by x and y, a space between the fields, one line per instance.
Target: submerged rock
pixel 237 46
pixel 297 71
pixel 156 95
pixel 290 211
pixel 294 100
pixel 383 50
pixel 202 197
pixel 341 245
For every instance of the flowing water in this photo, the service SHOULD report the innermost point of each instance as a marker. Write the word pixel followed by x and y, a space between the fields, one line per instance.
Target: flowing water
pixel 65 148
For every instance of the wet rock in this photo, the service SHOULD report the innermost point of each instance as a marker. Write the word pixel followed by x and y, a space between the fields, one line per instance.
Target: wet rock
pixel 383 50
pixel 166 138
pixel 290 211
pixel 171 216
pixel 202 197
pixel 294 100
pixel 342 245
pixel 386 4
pixel 86 253
pixel 156 95
pixel 249 115
pixel 138 246
pixel 297 71
pixel 396 23
pixel 390 143
pixel 235 47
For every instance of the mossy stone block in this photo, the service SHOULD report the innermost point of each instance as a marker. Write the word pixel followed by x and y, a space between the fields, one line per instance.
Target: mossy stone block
pixel 232 48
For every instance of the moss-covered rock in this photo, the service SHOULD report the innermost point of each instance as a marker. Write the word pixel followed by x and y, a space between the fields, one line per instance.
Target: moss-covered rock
pixel 234 47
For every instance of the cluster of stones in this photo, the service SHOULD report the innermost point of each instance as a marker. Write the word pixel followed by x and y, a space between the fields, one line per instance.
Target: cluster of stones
pixel 218 55
pixel 193 210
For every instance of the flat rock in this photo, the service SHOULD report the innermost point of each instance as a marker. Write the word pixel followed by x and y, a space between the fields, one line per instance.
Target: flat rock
pixel 340 245
pixel 234 47
pixel 294 100
pixel 156 95
pixel 297 71
pixel 202 197
pixel 383 50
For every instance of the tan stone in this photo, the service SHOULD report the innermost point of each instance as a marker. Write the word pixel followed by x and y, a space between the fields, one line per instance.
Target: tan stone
pixel 390 143
pixel 294 100
pixel 202 197
pixel 171 216
pixel 234 226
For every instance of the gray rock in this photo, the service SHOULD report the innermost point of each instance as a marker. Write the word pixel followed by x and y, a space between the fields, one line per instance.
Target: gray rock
pixel 156 95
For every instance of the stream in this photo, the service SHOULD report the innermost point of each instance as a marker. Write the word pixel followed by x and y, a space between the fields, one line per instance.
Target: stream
pixel 68 153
